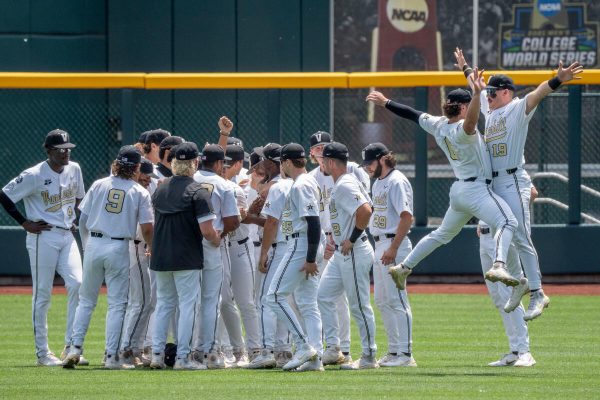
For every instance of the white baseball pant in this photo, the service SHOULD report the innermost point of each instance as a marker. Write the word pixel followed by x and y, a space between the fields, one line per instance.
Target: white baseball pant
pixel 229 310
pixel 49 252
pixel 140 305
pixel 350 275
pixel 343 313
pixel 468 199
pixel 288 280
pixel 515 190
pixel 105 260
pixel 391 301
pixel 175 289
pixel 150 324
pixel 514 324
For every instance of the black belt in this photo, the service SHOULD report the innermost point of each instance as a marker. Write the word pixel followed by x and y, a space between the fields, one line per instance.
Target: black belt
pixel 64 229
pixel 362 239
pixel 240 241
pixel 485 231
pixel 257 244
pixel 99 235
pixel 292 236
pixel 386 236
pixel 473 179
pixel 509 171
pixel 137 241
pixel 274 245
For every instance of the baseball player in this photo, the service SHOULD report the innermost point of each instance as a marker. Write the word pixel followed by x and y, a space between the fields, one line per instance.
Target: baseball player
pixel 183 221
pixel 390 223
pixel 225 139
pixel 297 272
pixel 152 141
pixel 163 167
pixel 470 195
pixel 51 192
pixel 110 213
pixel 318 140
pixel 348 269
pixel 206 347
pixel 506 124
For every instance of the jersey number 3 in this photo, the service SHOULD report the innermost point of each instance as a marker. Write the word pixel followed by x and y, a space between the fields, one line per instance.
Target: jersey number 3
pixel 115 201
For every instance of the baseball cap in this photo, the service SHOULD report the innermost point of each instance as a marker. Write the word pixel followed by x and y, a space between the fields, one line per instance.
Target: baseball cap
pixel 235 152
pixel 171 141
pixel 254 160
pixel 213 152
pixel 185 151
pixel 58 139
pixel 147 168
pixel 234 140
pixel 501 81
pixel 156 136
pixel 271 151
pixel 374 151
pixel 129 155
pixel 336 150
pixel 292 151
pixel 459 96
pixel 319 137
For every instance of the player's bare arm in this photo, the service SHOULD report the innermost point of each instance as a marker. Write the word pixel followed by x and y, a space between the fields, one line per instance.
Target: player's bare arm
pixel 563 75
pixel 210 234
pixel 147 234
pixel 230 224
pixel 389 256
pixel 470 124
pixel 363 216
pixel 269 234
pixel 225 128
pixel 461 63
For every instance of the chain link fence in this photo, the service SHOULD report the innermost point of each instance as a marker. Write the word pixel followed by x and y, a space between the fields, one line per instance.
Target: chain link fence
pixel 94 119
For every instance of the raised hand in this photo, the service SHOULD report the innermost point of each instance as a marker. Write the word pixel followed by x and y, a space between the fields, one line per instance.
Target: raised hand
pixel 460 58
pixel 569 73
pixel 225 125
pixel 377 98
pixel 477 80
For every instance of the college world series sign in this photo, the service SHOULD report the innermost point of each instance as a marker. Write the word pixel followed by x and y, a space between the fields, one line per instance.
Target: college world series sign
pixel 545 32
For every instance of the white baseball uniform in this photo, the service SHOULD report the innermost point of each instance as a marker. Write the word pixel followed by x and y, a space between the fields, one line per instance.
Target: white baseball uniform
pixel 113 208
pixel 224 205
pixel 514 325
pixel 348 274
pixel 302 201
pixel 274 332
pixel 505 134
pixel 392 195
pixel 470 194
pixel 51 197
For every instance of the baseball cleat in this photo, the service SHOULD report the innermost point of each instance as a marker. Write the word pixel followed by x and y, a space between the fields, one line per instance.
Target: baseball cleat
pixel 113 363
pixel 525 360
pixel 333 356
pixel 304 354
pixel 73 357
pixel 517 294
pixel 312 365
pixel 83 362
pixel 253 353
pixel 399 360
pixel 241 359
pixel 507 360
pixel 214 360
pixel 347 359
pixel 187 363
pixel 158 361
pixel 229 358
pixel 399 274
pixel 537 302
pixel 264 360
pixel 49 360
pixel 365 362
pixel 198 356
pixel 282 358
pixel 499 273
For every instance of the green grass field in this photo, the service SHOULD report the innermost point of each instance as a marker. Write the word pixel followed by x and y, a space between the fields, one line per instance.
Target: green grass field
pixel 455 336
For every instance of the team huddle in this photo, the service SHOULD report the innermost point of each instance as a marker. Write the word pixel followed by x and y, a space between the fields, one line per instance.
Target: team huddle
pixel 263 267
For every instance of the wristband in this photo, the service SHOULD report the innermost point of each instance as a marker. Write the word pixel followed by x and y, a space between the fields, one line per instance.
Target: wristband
pixel 468 72
pixel 554 83
pixel 465 67
pixel 356 233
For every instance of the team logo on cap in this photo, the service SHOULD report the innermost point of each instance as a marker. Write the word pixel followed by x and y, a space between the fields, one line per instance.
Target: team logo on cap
pixel 318 136
pixel 364 155
pixel 65 136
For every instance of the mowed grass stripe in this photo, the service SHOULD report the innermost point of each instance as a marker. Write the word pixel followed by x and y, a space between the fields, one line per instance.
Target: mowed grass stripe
pixel 455 336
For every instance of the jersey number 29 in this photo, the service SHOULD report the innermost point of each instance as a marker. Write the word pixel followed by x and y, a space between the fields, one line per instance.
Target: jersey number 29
pixel 115 201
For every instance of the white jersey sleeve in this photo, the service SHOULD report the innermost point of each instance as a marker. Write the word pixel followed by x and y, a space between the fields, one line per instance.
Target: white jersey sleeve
pixel 276 202
pixel 360 174
pixel 431 123
pixel 348 195
pixel 20 187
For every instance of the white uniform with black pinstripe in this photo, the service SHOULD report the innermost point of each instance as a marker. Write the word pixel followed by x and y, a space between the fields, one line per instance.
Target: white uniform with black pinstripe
pixel 392 195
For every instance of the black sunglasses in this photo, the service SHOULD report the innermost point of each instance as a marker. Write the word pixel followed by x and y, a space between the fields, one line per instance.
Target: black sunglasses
pixel 491 92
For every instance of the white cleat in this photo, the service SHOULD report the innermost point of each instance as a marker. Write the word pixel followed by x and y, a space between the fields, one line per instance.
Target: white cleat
pixel 113 363
pixel 72 358
pixel 400 360
pixel 282 358
pixel 229 358
pixel 83 362
pixel 399 274
pixel 507 360
pixel 158 361
pixel 241 359
pixel 525 360
pixel 517 294
pixel 333 356
pixel 263 361
pixel 214 360
pixel 188 364
pixel 304 354
pixel 49 360
pixel 537 302
pixel 499 273
pixel 312 365
pixel 365 362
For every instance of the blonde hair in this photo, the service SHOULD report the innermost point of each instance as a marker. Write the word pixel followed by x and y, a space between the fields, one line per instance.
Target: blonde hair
pixel 183 167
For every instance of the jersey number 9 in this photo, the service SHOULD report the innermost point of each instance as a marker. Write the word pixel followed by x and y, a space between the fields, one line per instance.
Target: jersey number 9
pixel 115 200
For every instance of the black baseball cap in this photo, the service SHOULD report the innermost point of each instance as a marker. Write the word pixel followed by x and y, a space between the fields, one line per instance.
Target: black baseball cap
pixel 143 137
pixel 460 96
pixel 270 151
pixel 292 151
pixel 185 151
pixel 235 152
pixel 234 140
pixel 147 168
pixel 171 141
pixel 500 81
pixel 58 139
pixel 319 137
pixel 129 155
pixel 213 152
pixel 254 160
pixel 373 152
pixel 156 136
pixel 336 150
